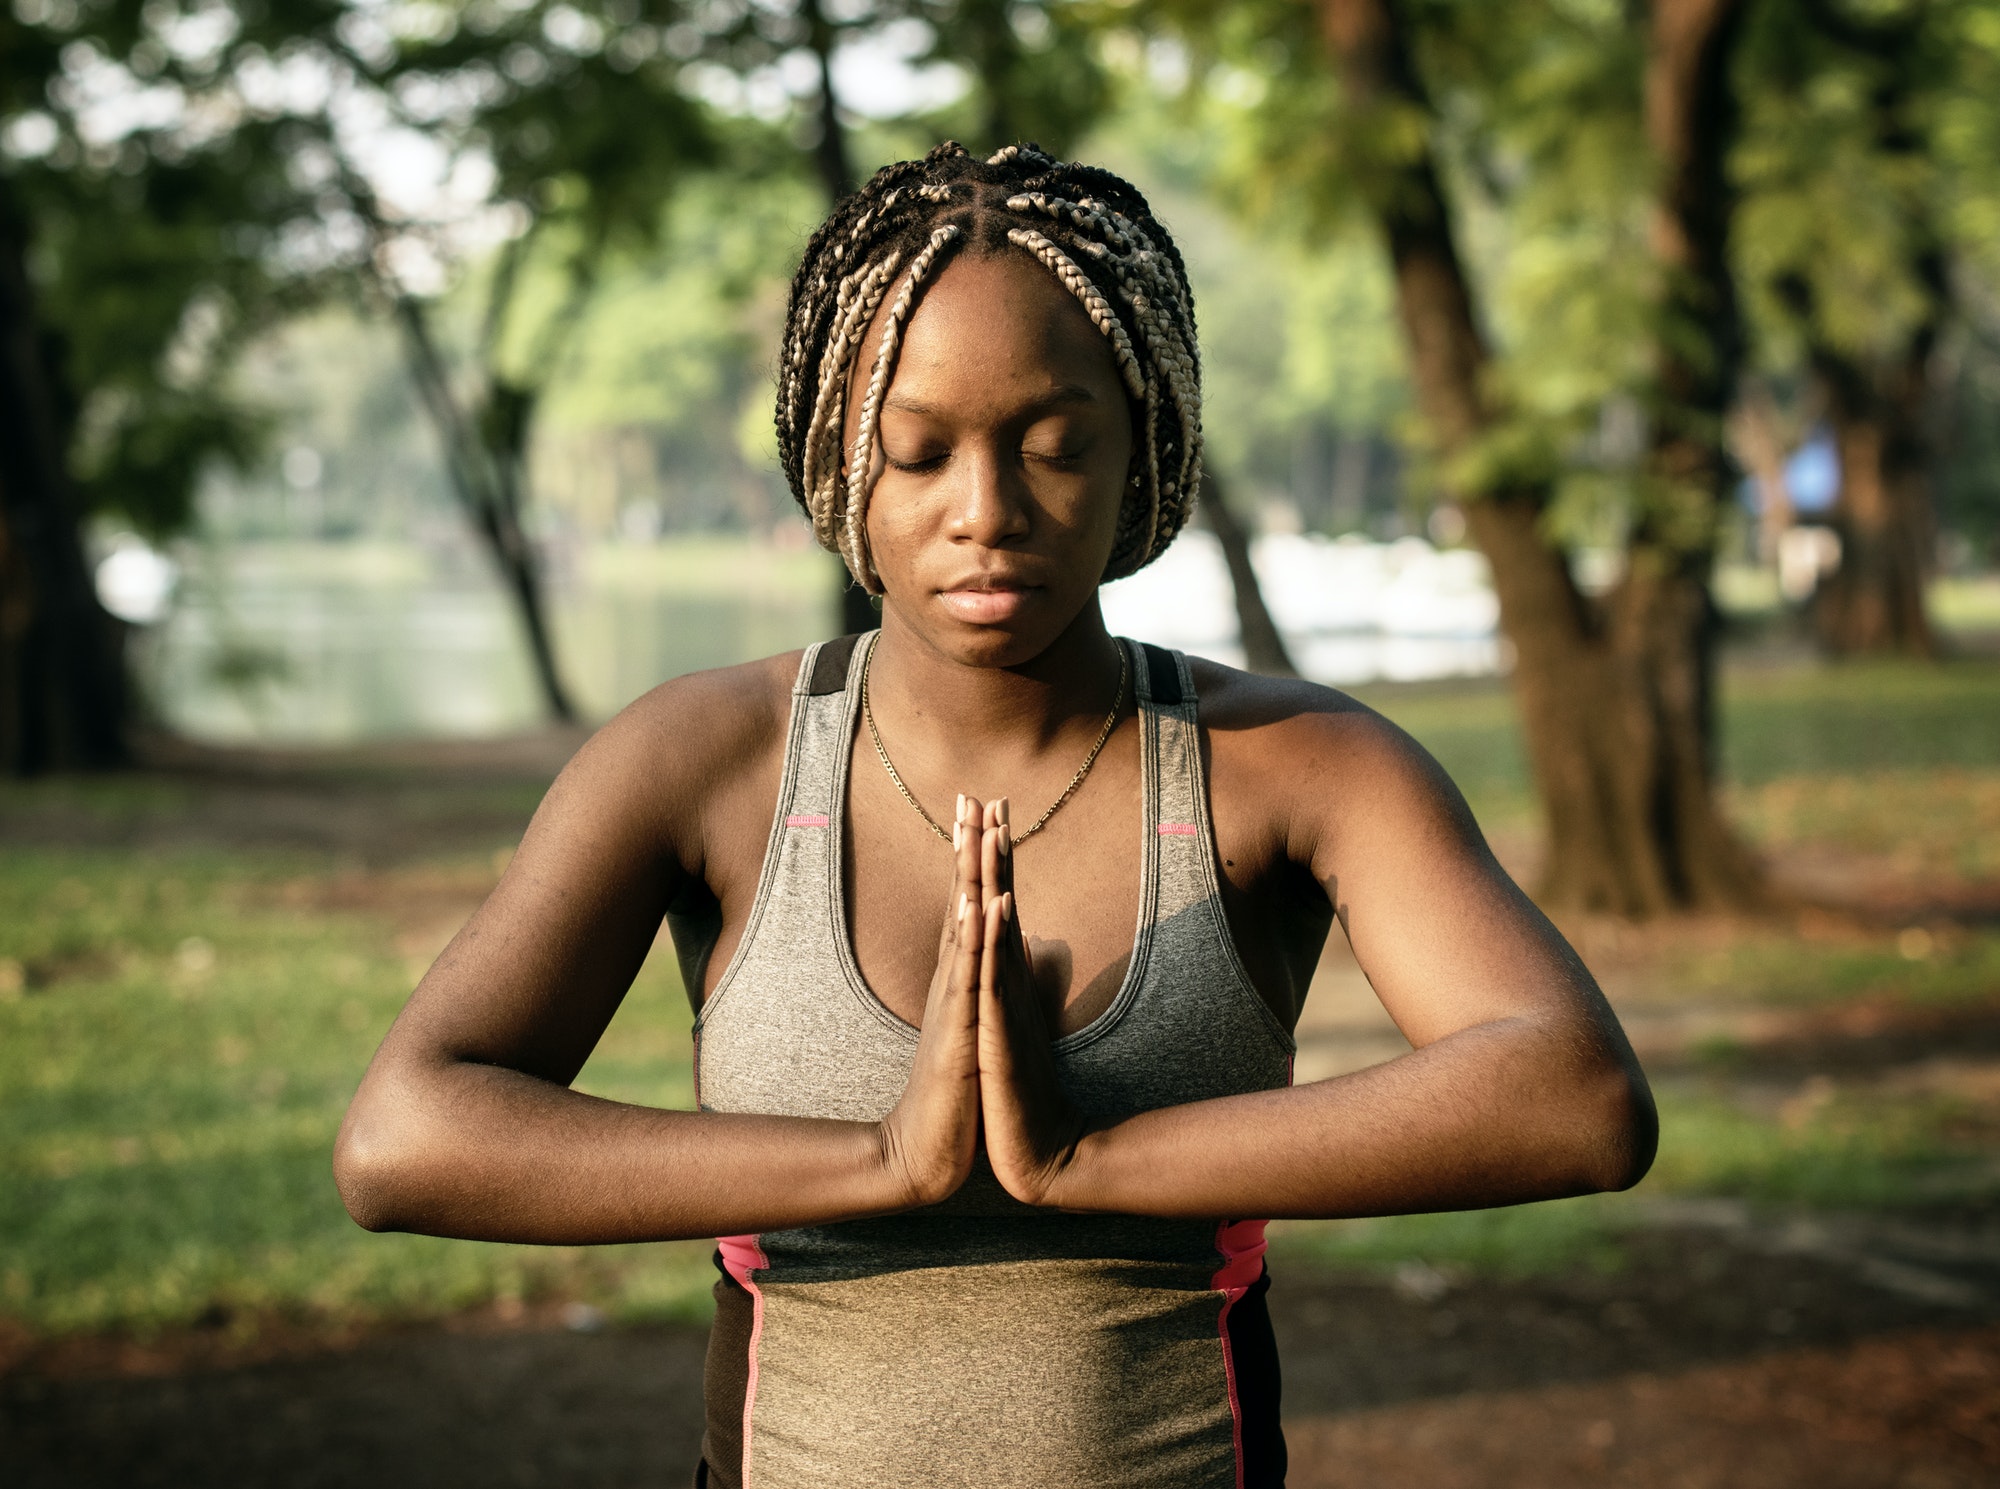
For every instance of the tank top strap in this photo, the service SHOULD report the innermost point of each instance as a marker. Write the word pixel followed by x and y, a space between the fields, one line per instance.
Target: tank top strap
pixel 824 700
pixel 1179 840
pixel 795 892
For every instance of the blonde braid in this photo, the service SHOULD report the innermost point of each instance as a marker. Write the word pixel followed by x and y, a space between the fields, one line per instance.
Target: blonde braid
pixel 1097 237
pixel 861 458
pixel 856 309
pixel 1099 309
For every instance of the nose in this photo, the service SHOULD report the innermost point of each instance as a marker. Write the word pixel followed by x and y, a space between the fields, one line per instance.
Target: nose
pixel 989 500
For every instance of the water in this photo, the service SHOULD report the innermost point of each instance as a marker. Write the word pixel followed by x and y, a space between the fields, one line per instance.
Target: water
pixel 332 644
pixel 1350 611
pixel 338 643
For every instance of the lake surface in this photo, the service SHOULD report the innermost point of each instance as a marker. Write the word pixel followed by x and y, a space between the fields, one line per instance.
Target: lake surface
pixel 337 643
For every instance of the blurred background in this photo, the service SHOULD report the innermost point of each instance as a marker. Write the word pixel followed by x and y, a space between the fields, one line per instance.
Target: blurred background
pixel 1608 391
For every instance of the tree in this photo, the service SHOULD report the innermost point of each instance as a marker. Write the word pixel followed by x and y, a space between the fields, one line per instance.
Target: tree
pixel 62 685
pixel 1848 257
pixel 1263 648
pixel 1032 71
pixel 134 260
pixel 581 185
pixel 304 104
pixel 1615 689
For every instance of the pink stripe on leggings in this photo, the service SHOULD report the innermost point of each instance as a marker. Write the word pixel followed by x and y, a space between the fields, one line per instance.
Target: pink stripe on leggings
pixel 1241 1243
pixel 742 1258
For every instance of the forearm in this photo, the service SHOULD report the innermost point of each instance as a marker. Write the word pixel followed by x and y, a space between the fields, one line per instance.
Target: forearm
pixel 489 1154
pixel 1493 1115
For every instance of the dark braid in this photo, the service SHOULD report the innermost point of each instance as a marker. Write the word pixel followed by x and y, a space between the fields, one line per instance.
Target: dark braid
pixel 1092 230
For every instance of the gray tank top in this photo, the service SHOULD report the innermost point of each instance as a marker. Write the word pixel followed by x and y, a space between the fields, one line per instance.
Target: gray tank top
pixel 983 1342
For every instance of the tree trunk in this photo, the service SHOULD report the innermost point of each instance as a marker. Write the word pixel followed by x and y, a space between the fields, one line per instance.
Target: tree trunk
pixel 834 164
pixel 1874 602
pixel 1263 648
pixel 63 697
pixel 1615 702
pixel 1662 617
pixel 486 487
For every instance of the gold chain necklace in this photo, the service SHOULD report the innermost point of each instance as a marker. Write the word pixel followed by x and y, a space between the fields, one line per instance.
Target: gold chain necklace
pixel 1110 723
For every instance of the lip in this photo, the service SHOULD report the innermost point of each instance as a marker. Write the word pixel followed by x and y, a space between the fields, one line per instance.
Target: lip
pixel 987 602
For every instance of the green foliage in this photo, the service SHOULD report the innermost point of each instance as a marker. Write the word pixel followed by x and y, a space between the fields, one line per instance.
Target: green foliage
pixel 1294 338
pixel 1033 72
pixel 193 175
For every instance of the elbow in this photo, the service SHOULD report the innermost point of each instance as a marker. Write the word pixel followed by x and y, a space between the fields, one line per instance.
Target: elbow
pixel 371 1168
pixel 1624 1128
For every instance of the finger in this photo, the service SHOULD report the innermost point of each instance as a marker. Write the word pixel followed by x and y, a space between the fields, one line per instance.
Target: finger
pixel 1013 944
pixel 991 856
pixel 967 964
pixel 989 961
pixel 965 878
pixel 1004 811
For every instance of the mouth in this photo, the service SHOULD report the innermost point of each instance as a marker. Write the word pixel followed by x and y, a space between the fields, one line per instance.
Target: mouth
pixel 986 602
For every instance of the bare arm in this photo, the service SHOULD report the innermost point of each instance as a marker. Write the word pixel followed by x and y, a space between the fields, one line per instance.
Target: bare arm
pixel 465 1124
pixel 1521 1085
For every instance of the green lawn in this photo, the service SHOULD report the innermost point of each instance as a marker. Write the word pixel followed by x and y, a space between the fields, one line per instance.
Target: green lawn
pixel 1778 723
pixel 181 1027
pixel 179 1034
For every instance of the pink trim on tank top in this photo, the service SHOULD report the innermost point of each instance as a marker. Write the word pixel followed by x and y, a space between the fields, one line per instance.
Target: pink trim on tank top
pixel 1241 1243
pixel 1176 829
pixel 806 821
pixel 742 1258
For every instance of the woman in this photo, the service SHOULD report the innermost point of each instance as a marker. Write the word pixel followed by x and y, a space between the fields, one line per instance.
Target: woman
pixel 978 1152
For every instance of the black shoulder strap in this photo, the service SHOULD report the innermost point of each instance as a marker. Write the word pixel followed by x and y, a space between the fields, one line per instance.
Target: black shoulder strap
pixel 1163 678
pixel 829 674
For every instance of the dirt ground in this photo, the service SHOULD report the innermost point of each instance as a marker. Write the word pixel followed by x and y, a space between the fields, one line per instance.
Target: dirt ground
pixel 1734 1352
pixel 1708 1362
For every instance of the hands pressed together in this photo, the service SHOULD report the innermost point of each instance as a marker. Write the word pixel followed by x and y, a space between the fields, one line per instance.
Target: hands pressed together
pixel 984 1068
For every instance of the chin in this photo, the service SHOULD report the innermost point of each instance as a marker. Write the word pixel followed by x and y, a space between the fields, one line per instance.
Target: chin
pixel 992 635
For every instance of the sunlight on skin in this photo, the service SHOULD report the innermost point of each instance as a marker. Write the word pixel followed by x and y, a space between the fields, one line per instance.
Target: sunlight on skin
pixel 1003 450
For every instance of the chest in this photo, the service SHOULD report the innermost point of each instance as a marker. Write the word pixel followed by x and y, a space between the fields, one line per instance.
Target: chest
pixel 1076 881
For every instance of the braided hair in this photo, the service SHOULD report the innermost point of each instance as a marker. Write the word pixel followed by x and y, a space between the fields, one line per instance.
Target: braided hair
pixel 1090 228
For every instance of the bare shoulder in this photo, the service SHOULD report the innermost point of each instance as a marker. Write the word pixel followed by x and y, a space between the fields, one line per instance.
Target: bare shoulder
pixel 1302 724
pixel 707 722
pixel 659 764
pixel 1335 768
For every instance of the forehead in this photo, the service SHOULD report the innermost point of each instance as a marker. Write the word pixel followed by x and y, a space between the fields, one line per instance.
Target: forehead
pixel 995 322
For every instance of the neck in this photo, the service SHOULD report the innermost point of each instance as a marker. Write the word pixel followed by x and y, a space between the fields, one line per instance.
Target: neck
pixel 941 703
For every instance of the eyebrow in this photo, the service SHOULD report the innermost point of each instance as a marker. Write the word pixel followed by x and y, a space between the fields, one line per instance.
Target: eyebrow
pixel 1063 396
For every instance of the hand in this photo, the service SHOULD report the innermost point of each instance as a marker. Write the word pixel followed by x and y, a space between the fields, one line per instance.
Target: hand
pixel 1032 1130
pixel 930 1139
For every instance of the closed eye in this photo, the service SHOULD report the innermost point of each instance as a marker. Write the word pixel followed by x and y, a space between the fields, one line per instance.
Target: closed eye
pixel 1060 459
pixel 922 465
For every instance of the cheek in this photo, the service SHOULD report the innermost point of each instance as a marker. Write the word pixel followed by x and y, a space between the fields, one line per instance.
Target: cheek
pixel 901 516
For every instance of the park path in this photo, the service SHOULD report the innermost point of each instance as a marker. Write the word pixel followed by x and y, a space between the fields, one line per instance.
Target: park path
pixel 1705 1364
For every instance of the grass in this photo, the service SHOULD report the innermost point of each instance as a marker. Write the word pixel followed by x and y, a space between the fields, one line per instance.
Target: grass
pixel 1857 720
pixel 179 1035
pixel 1769 967
pixel 1822 1148
pixel 181 1028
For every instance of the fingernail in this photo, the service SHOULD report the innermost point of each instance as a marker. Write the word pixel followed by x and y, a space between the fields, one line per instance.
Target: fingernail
pixel 1006 839
pixel 961 904
pixel 961 806
pixel 1007 906
pixel 1004 817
